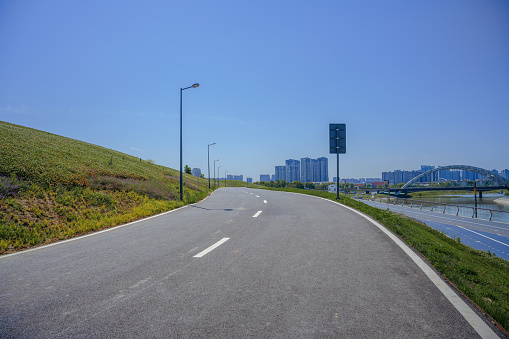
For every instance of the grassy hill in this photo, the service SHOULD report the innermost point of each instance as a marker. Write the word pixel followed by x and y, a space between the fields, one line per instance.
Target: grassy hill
pixel 53 188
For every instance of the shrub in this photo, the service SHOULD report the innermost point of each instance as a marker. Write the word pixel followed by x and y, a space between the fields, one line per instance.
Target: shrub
pixel 10 186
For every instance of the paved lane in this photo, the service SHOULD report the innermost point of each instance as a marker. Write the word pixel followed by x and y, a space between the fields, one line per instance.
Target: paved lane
pixel 242 263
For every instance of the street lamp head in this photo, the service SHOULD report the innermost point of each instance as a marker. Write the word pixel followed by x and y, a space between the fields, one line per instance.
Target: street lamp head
pixel 195 85
pixel 212 144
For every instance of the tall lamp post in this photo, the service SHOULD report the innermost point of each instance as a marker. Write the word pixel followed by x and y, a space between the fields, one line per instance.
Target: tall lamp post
pixel 388 191
pixel 208 159
pixel 475 197
pixel 215 172
pixel 181 181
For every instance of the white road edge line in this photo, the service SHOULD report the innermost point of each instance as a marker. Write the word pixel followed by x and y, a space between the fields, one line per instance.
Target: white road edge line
pixel 257 214
pixel 470 316
pixel 205 251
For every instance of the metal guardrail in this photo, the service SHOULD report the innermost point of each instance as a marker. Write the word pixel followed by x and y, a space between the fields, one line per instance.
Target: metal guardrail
pixel 432 206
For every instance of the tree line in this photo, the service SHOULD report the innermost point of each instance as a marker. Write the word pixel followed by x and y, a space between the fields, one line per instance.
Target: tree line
pixel 293 184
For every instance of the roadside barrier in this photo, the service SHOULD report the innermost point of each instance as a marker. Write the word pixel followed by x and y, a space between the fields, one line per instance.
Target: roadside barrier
pixel 459 210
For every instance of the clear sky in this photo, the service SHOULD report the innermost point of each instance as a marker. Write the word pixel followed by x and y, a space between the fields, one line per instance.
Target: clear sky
pixel 416 82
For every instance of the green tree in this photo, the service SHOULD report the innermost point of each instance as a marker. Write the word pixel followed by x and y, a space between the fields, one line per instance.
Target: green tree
pixel 323 187
pixel 310 185
pixel 187 169
pixel 202 176
pixel 297 184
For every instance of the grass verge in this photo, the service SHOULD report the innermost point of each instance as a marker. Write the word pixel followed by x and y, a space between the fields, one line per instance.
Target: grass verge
pixel 481 276
pixel 54 188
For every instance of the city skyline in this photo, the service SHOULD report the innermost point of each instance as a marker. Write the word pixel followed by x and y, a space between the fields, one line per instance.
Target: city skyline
pixel 305 170
pixel 402 176
pixel 415 82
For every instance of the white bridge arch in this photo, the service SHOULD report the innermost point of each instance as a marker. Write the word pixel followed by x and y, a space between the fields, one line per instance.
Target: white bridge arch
pixel 488 174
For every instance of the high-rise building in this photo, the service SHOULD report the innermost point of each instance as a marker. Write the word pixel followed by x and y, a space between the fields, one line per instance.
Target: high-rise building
pixel 292 170
pixel 249 180
pixel 196 172
pixel 265 177
pixel 455 175
pixel 307 170
pixel 445 175
pixel 310 170
pixel 239 177
pixel 316 170
pixel 398 176
pixel 280 173
pixel 429 177
pixel 505 173
pixel 387 176
pixel 322 170
pixel 468 175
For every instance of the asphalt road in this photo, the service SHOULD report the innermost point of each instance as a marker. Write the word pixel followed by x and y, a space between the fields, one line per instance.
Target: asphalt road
pixel 480 234
pixel 283 266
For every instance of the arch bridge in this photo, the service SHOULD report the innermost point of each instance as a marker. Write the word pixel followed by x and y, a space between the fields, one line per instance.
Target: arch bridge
pixel 501 182
pixel 488 174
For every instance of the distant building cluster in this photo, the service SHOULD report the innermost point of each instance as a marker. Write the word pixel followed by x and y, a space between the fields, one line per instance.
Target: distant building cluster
pixel 239 177
pixel 317 170
pixel 196 172
pixel 305 170
pixel 359 181
pixel 401 176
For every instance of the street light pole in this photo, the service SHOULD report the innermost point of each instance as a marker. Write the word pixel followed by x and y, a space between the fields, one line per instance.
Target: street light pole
pixel 208 159
pixel 215 172
pixel 475 197
pixel 388 191
pixel 181 178
pixel 218 182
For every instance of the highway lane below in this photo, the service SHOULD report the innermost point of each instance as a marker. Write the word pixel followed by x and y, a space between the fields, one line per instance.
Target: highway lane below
pixel 241 263
pixel 480 234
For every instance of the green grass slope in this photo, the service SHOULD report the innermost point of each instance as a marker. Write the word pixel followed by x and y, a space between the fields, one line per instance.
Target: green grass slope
pixel 53 188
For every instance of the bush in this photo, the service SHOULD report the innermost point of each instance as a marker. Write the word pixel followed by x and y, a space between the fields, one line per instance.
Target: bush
pixel 9 187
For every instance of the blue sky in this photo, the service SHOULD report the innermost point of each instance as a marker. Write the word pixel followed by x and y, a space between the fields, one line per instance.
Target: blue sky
pixel 416 82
